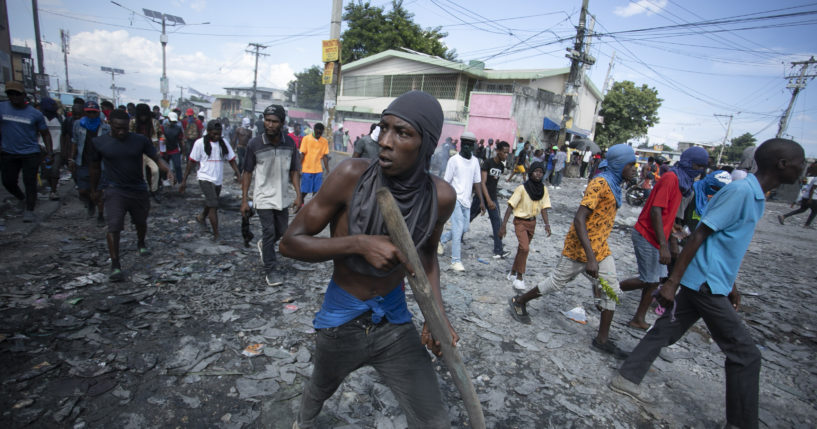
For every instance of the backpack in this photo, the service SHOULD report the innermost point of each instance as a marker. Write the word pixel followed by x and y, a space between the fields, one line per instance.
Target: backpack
pixel 191 131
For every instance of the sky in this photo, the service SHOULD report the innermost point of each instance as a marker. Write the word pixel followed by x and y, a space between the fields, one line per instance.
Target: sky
pixel 735 64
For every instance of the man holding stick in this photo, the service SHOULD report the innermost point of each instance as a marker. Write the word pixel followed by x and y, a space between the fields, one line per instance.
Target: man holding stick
pixel 364 319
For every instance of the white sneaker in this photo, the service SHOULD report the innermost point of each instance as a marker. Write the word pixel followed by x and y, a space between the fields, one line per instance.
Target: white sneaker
pixel 558 187
pixel 519 285
pixel 457 266
pixel 510 276
pixel 440 249
pixel 503 255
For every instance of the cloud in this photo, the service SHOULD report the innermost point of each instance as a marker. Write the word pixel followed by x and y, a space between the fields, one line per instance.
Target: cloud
pixel 641 6
pixel 197 5
pixel 141 58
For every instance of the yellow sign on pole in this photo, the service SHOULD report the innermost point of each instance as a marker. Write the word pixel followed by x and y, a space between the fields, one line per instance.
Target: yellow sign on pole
pixel 328 73
pixel 331 50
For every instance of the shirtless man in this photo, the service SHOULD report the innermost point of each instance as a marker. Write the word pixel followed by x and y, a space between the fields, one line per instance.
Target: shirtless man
pixel 364 319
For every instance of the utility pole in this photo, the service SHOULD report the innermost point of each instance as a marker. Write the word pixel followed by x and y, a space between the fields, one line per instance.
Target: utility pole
pixel 257 46
pixel 114 88
pixel 796 83
pixel 330 95
pixel 42 83
pixel 181 92
pixel 603 94
pixel 65 38
pixel 726 137
pixel 578 57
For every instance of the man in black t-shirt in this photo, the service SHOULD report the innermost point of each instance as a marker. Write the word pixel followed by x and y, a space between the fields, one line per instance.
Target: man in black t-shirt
pixel 492 169
pixel 521 165
pixel 126 190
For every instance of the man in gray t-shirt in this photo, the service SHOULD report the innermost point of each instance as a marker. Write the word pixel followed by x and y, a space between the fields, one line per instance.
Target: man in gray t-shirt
pixel 274 161
pixel 366 146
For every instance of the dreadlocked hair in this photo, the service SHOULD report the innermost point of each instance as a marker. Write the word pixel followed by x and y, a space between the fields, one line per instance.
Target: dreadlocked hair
pixel 144 127
pixel 214 124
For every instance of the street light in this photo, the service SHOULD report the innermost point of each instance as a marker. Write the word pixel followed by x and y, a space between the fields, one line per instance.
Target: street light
pixel 166 20
pixel 174 21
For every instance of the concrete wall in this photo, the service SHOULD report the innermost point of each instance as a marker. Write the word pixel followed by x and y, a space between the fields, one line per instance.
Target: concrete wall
pixel 585 110
pixel 490 116
pixel 554 84
pixel 453 130
pixel 300 115
pixel 530 107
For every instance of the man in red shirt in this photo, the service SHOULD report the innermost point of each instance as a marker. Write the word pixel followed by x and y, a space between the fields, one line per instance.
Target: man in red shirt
pixel 651 233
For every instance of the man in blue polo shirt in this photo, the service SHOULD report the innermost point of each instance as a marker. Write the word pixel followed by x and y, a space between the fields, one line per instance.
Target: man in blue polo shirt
pixel 706 270
pixel 20 124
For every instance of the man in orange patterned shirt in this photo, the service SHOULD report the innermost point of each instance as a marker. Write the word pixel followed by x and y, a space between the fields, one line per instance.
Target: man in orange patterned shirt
pixel 586 250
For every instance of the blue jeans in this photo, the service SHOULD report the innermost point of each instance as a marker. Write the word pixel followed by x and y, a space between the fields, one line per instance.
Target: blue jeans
pixel 495 222
pixel 547 175
pixel 394 351
pixel 175 159
pixel 459 226
pixel 557 177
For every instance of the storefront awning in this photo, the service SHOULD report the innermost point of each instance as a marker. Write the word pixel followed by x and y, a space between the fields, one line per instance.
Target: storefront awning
pixel 550 125
pixel 579 132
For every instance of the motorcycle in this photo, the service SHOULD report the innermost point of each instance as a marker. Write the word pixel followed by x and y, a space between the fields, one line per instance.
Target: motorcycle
pixel 637 193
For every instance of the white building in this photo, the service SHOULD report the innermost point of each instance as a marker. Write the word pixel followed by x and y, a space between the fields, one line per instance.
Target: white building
pixel 499 104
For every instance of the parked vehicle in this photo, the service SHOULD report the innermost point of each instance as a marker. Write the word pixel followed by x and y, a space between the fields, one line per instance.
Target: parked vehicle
pixel 637 192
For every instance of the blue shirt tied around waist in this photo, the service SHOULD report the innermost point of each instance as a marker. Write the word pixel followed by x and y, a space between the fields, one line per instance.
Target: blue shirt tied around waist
pixel 340 307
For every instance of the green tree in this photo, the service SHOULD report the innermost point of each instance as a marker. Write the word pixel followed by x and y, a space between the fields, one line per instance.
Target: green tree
pixel 628 112
pixel 370 30
pixel 308 88
pixel 735 149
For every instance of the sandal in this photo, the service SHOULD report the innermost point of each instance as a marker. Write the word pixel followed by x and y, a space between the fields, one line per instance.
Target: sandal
pixel 611 348
pixel 519 312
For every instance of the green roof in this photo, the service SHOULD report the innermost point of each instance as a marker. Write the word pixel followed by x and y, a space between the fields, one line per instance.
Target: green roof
pixel 468 69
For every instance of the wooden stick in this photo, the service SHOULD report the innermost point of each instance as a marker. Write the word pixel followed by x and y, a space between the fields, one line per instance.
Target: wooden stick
pixel 399 233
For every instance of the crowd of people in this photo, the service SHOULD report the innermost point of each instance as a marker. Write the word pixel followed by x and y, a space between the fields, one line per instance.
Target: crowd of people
pixel 119 159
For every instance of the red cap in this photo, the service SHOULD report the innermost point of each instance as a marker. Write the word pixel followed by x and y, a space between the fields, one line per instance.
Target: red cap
pixel 189 112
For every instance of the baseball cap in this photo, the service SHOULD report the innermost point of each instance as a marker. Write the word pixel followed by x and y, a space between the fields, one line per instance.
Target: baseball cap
pixel 91 106
pixel 172 117
pixel 15 86
pixel 189 112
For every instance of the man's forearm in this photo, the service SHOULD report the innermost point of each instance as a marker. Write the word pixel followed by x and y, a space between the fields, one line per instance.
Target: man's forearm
pixel 163 167
pixel 295 178
pixel 580 223
pixel 246 179
pixel 187 170
pixel 478 191
pixel 49 145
